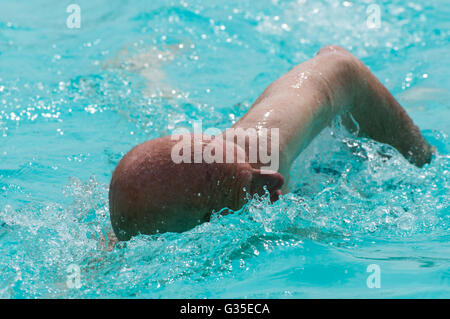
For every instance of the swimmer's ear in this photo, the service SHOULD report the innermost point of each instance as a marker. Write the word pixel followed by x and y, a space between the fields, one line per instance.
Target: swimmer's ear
pixel 272 180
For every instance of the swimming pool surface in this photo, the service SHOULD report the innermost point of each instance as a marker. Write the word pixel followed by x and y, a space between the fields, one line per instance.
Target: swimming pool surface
pixel 74 101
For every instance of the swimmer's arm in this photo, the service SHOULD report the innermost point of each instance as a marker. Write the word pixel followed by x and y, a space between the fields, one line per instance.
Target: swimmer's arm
pixel 335 83
pixel 380 117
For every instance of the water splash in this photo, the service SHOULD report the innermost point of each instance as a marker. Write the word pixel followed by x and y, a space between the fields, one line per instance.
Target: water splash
pixel 353 201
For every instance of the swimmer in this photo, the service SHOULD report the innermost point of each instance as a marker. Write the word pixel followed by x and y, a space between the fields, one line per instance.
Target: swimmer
pixel 150 193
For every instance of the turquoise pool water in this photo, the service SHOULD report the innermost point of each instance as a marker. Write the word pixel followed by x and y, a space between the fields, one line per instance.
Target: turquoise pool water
pixel 74 101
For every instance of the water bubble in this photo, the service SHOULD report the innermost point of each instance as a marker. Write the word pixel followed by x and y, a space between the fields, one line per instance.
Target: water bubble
pixel 406 221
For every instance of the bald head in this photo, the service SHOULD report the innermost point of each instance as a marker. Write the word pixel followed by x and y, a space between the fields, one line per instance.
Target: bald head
pixel 151 191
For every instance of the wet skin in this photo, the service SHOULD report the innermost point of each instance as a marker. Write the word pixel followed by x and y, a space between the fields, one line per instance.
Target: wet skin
pixel 149 193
